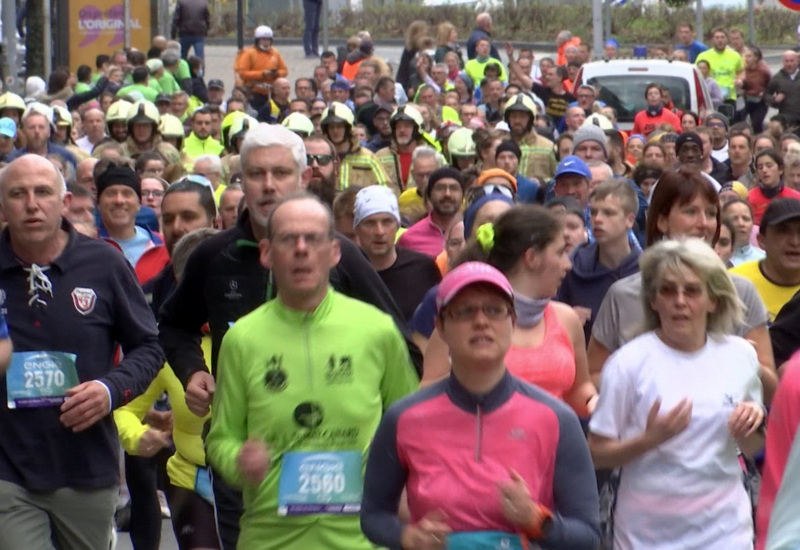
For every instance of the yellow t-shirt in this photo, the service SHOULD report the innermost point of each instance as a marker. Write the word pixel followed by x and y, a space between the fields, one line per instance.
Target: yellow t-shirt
pixel 774 296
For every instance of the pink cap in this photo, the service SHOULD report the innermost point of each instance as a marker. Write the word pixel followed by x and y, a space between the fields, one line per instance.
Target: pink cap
pixel 467 274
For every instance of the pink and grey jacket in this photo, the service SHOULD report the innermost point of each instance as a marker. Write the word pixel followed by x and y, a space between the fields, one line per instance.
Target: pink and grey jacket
pixel 451 448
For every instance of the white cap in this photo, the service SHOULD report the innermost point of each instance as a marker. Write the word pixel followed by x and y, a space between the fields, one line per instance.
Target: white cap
pixel 375 199
pixel 263 31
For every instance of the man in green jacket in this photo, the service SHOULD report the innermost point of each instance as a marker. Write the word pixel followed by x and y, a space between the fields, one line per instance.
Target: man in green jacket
pixel 140 89
pixel 294 414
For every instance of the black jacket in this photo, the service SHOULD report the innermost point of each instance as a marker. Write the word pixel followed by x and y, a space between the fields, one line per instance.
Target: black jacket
pixel 94 304
pixel 224 280
pixel 191 18
pixel 785 331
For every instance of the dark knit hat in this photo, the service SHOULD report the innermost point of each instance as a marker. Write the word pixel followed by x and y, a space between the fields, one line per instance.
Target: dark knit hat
pixel 118 175
pixel 442 173
pixel 508 145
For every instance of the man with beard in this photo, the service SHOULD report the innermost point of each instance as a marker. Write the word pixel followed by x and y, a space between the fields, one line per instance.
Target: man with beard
pixel 224 280
pixel 117 120
pixel 358 165
pixel 445 192
pixel 321 158
pixel 144 135
pixel 186 206
pixel 408 274
pixel 200 142
pixel 538 161
pixel 383 129
pixel 407 135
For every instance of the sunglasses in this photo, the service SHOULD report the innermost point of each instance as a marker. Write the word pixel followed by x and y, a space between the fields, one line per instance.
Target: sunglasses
pixel 322 160
pixel 489 189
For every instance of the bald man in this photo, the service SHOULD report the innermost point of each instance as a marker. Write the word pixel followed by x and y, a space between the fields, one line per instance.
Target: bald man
pixel 53 429
pixel 483 29
pixel 159 42
pixel 84 175
pixel 783 91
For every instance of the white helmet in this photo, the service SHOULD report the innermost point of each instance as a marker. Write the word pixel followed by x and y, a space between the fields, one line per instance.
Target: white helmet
pixel 263 31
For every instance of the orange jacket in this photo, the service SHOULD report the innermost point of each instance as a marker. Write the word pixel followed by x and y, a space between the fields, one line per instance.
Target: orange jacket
pixel 350 70
pixel 561 58
pixel 252 62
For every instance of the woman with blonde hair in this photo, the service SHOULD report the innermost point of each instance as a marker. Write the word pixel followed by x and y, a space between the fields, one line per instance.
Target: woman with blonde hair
pixel 446 36
pixel 676 404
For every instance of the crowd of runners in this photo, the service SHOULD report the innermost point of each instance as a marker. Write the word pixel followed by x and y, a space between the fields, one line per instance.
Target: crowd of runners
pixel 444 301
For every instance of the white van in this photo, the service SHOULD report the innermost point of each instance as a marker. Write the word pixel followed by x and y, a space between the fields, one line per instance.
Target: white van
pixel 621 84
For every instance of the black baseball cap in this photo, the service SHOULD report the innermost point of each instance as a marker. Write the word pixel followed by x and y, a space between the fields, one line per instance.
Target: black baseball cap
pixel 779 211
pixel 163 98
pixel 216 84
pixel 688 137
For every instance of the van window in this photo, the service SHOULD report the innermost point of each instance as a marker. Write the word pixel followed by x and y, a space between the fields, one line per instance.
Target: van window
pixel 625 92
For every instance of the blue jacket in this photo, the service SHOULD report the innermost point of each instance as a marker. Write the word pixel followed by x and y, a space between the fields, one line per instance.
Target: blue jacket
pixel 589 280
pixel 52 149
pixel 476 35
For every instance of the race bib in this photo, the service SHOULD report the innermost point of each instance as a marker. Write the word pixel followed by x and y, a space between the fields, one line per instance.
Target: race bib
pixel 320 483
pixel 484 540
pixel 40 378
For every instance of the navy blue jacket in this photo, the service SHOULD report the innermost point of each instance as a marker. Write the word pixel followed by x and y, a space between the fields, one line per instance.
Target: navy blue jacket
pixel 36 451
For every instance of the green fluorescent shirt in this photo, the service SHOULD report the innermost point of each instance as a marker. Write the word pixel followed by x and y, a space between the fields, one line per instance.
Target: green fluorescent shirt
pixel 145 91
pixel 724 68
pixel 168 83
pixel 304 382
pixel 194 147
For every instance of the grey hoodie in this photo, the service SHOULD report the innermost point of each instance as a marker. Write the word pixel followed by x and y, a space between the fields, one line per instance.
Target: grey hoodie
pixel 589 280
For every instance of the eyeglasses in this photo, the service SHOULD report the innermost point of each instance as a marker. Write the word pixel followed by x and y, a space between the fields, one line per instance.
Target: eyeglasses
pixel 489 189
pixel 322 160
pixel 493 312
pixel 689 291
pixel 312 240
pixel 152 193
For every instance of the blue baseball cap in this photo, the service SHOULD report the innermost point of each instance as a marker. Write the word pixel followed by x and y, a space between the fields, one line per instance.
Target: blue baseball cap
pixel 8 127
pixel 573 165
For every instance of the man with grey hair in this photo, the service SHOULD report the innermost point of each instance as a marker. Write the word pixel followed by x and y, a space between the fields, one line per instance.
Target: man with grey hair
pixel 210 167
pixel 225 280
pixel 56 410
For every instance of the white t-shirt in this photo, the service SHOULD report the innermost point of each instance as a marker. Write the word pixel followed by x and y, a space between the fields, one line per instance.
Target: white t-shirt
pixel 720 154
pixel 687 493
